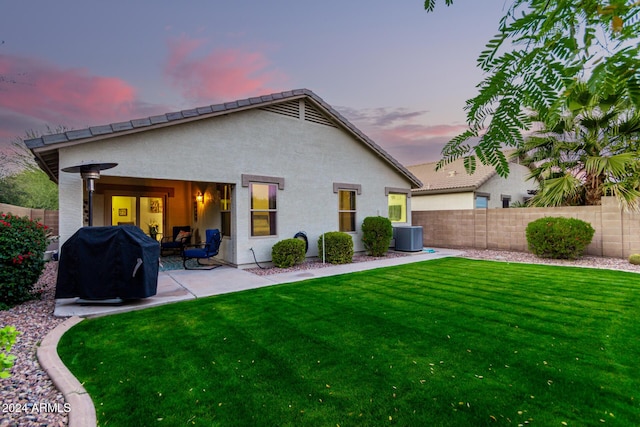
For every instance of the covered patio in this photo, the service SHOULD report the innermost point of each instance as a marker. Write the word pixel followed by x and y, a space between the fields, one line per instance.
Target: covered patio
pixel 157 206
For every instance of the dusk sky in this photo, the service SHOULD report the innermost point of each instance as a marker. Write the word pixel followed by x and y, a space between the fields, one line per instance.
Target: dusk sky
pixel 398 73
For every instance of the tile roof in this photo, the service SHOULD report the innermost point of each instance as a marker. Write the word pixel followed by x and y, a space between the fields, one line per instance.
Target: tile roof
pixel 452 178
pixel 46 147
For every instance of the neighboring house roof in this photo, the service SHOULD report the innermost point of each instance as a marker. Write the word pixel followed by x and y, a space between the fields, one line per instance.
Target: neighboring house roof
pixel 452 178
pixel 46 147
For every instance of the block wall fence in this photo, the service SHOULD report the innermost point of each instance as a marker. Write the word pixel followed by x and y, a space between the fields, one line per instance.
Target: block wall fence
pixel 47 217
pixel 617 232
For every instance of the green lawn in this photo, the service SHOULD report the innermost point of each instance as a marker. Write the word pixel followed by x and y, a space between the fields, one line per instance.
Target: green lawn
pixel 449 342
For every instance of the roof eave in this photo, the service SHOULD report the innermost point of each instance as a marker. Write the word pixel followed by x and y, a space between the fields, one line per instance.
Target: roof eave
pixel 428 192
pixel 52 143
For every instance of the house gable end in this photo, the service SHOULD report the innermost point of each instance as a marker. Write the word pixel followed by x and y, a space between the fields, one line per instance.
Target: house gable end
pixel 302 104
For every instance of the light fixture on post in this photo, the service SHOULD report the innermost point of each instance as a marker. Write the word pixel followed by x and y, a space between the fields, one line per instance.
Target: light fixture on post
pixel 89 173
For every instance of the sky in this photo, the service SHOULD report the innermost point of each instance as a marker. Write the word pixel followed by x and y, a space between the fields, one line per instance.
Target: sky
pixel 399 74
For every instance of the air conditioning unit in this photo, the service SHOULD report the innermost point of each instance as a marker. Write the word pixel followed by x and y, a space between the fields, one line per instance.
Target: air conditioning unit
pixel 408 239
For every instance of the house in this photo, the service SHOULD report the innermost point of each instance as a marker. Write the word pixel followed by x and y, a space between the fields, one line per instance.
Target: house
pixel 259 169
pixel 452 187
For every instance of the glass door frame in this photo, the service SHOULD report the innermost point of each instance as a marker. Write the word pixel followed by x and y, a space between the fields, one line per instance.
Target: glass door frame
pixel 109 214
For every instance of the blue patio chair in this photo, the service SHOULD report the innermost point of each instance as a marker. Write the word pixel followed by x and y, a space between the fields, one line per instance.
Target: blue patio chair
pixel 203 251
pixel 180 237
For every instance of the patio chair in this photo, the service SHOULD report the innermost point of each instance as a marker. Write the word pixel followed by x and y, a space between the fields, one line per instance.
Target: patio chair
pixel 180 237
pixel 203 251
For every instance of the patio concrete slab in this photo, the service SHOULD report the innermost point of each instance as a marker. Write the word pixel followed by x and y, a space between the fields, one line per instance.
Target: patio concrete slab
pixel 168 291
pixel 218 281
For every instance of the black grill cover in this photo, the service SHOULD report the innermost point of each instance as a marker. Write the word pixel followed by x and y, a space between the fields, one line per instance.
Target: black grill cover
pixel 98 263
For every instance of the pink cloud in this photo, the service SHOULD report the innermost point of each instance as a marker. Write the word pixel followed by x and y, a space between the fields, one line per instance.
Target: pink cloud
pixel 400 132
pixel 72 97
pixel 220 74
pixel 417 133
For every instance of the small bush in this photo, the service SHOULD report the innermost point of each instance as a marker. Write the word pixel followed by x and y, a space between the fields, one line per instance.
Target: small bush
pixel 634 259
pixel 22 246
pixel 376 235
pixel 338 247
pixel 287 253
pixel 559 238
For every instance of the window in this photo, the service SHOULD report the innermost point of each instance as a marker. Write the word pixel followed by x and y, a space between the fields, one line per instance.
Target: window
pixel 225 209
pixel 347 210
pixel 263 209
pixel 506 201
pixel 482 201
pixel 397 207
pixel 347 205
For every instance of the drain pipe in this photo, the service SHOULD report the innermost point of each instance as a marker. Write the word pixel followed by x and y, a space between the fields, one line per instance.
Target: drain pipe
pixel 323 256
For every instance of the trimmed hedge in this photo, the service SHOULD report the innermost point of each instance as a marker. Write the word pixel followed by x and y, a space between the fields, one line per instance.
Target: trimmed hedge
pixel 287 253
pixel 559 238
pixel 377 233
pixel 22 246
pixel 338 247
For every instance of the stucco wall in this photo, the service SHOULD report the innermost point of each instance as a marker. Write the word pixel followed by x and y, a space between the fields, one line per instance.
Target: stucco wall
pixel 310 157
pixel 515 186
pixel 436 202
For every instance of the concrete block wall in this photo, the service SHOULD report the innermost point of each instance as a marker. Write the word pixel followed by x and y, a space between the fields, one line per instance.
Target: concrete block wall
pixel 454 228
pixel 617 232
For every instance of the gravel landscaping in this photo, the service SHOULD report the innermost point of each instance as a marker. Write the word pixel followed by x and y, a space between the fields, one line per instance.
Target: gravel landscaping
pixel 29 398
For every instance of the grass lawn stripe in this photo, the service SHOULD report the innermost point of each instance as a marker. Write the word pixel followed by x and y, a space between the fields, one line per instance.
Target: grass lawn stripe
pixel 445 342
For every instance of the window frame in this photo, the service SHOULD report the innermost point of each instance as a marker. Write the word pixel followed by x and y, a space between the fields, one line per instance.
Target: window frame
pixel 225 209
pixel 355 189
pixel 352 211
pixel 271 182
pixel 390 191
pixel 271 212
pixel 485 196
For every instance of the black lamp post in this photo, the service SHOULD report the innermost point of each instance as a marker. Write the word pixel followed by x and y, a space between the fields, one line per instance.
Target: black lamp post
pixel 90 172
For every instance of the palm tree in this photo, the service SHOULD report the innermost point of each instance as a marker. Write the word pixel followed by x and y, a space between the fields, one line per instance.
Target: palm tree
pixel 592 150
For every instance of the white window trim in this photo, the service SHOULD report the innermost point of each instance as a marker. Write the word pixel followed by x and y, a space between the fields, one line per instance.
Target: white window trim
pixel 247 181
pixel 404 191
pixel 356 188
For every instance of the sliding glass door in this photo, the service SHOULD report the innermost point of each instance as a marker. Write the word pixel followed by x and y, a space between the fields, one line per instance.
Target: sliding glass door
pixel 145 212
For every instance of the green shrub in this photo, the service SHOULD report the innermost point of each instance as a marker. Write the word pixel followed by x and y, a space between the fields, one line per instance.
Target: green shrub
pixel 376 235
pixel 8 336
pixel 634 259
pixel 22 246
pixel 287 253
pixel 559 238
pixel 338 247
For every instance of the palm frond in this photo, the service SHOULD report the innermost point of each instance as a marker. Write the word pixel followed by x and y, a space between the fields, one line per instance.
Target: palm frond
pixel 559 191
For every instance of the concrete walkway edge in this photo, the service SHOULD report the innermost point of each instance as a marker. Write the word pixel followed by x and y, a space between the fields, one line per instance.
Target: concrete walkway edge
pixel 82 412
